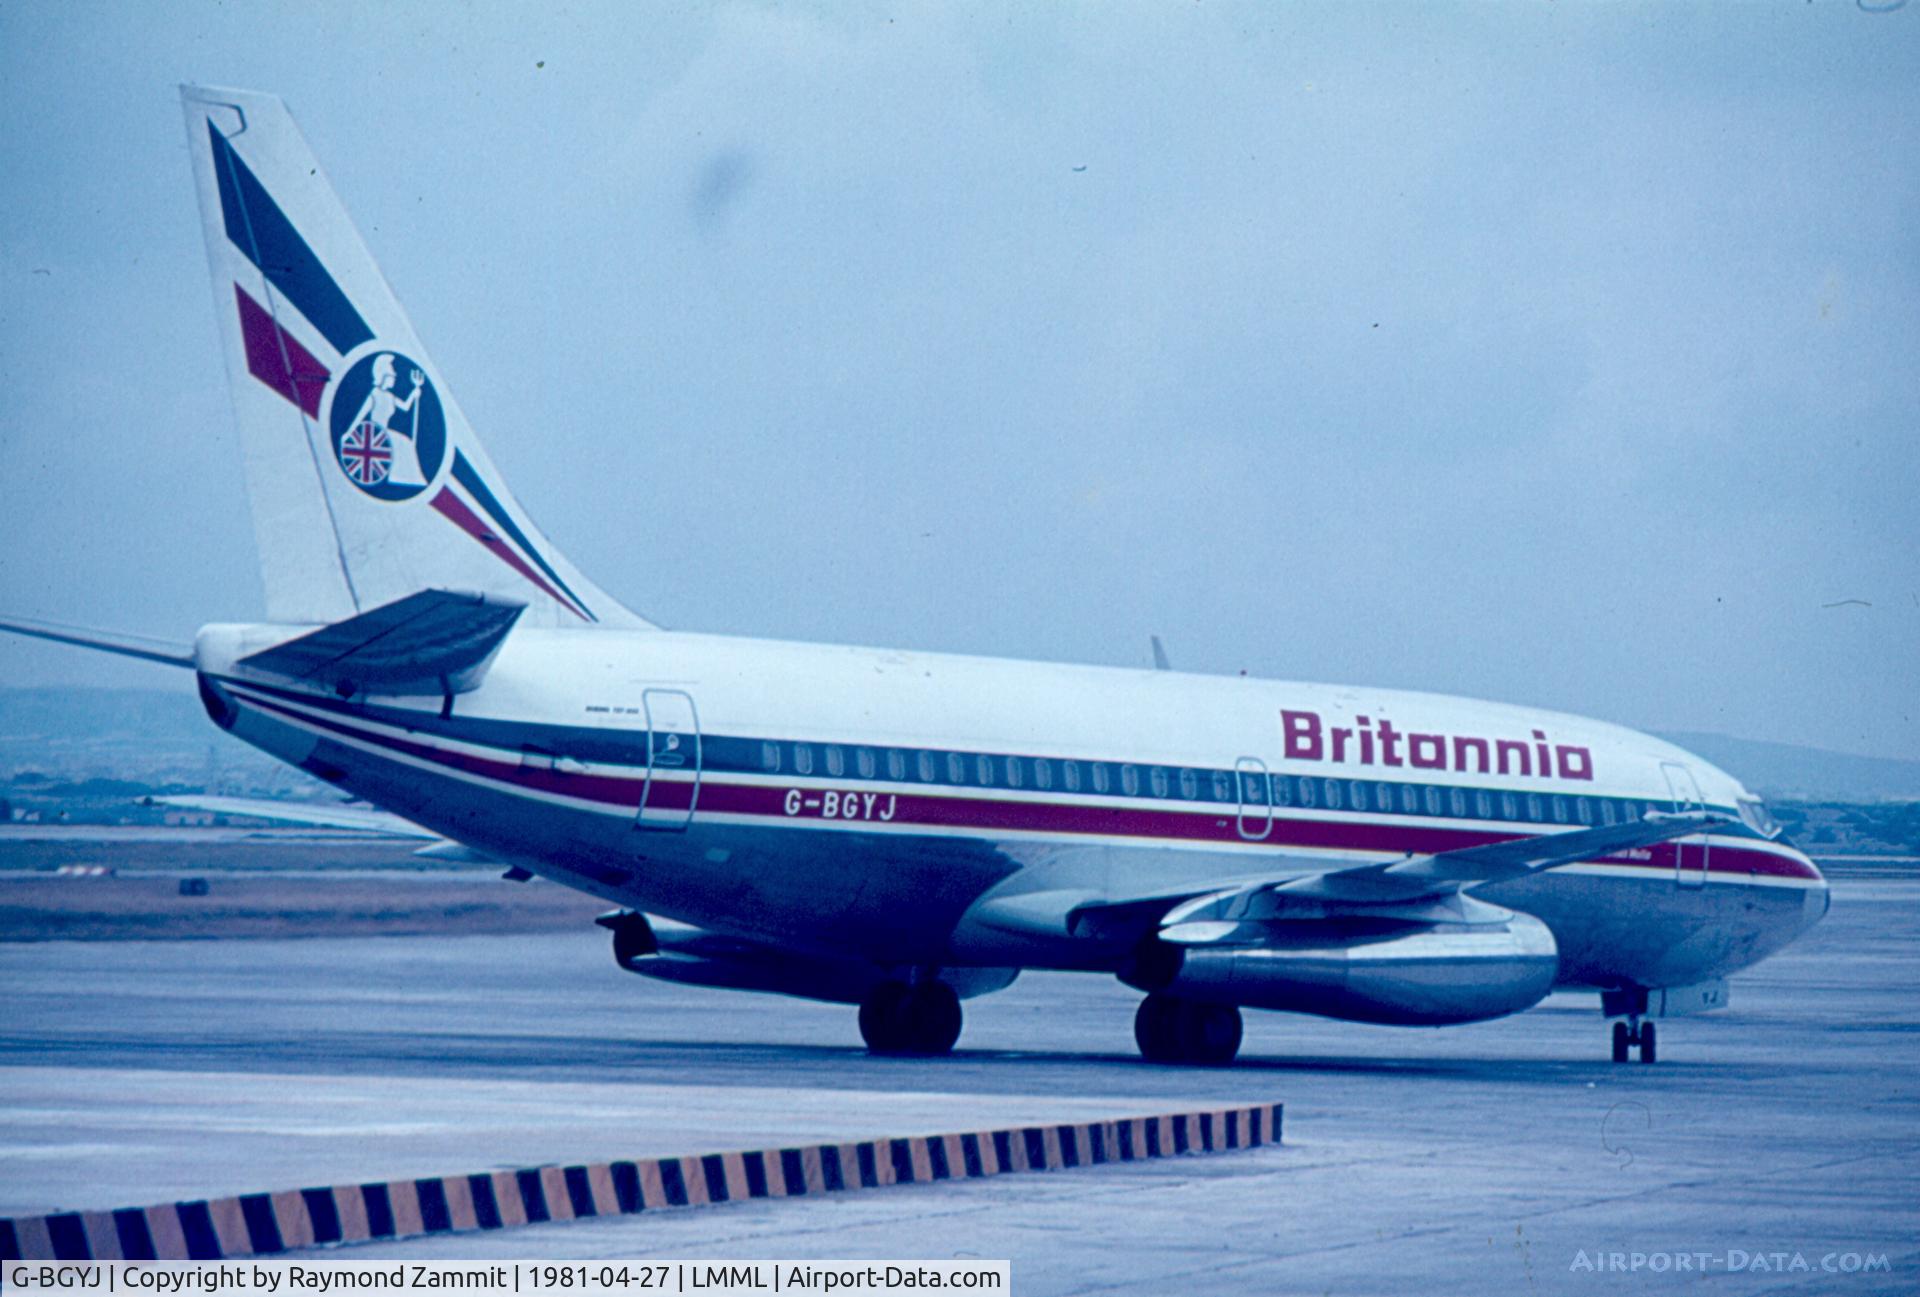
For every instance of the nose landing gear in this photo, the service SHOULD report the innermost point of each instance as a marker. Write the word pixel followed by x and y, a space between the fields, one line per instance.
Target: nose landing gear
pixel 1630 1003
pixel 1634 1032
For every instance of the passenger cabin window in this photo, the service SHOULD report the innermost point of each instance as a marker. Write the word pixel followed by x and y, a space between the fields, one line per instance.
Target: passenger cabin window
pixel 1509 807
pixel 1457 799
pixel 1253 789
pixel 1607 814
pixel 1222 789
pixel 983 769
pixel 1102 778
pixel 1282 791
pixel 1559 809
pixel 863 762
pixel 1483 804
pixel 1130 780
pixel 1157 776
pixel 1330 792
pixel 896 764
pixel 1432 796
pixel 1583 810
pixel 836 760
pixel 923 763
pixel 770 757
pixel 1357 795
pixel 1535 811
pixel 1410 798
pixel 803 758
pixel 1189 785
pixel 1383 796
pixel 1042 773
pixel 1070 775
pixel 956 768
pixel 1016 776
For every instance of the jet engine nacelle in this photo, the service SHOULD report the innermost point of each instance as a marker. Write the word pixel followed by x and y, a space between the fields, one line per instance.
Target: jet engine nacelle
pixel 676 952
pixel 1405 975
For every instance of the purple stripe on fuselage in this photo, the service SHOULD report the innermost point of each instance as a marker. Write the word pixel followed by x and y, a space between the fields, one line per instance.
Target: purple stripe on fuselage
pixel 918 810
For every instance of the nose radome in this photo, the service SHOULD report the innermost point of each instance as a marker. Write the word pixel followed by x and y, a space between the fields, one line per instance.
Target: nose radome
pixel 1819 895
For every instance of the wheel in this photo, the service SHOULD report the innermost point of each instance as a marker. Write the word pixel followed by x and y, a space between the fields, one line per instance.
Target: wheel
pixel 1169 1029
pixel 1646 1042
pixel 1210 1034
pixel 899 1019
pixel 933 1015
pixel 1153 1028
pixel 883 1017
pixel 1622 1042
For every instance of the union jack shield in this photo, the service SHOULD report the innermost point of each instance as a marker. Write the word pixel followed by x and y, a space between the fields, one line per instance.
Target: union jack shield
pixel 366 454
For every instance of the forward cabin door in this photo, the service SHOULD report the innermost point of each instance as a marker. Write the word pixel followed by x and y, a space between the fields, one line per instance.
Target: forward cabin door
pixel 672 788
pixel 1689 854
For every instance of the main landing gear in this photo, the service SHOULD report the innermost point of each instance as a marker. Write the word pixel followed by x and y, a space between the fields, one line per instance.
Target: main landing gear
pixel 1634 1032
pixel 919 1019
pixel 1170 1029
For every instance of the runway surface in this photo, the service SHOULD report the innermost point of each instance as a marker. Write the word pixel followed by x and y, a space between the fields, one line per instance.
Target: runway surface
pixel 1475 1159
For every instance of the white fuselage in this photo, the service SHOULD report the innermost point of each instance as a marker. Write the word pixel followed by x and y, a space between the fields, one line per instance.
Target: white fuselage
pixel 862 801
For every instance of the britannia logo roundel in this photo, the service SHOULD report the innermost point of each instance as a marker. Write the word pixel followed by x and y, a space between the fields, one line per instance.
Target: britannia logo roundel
pixel 389 432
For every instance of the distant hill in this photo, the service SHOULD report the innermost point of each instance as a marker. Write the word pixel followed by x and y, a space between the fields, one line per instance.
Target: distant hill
pixel 152 736
pixel 1787 770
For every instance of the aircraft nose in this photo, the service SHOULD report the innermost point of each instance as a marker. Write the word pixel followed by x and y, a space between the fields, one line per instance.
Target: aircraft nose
pixel 1819 894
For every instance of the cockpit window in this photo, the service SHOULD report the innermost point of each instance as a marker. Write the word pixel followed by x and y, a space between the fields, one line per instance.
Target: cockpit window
pixel 1758 817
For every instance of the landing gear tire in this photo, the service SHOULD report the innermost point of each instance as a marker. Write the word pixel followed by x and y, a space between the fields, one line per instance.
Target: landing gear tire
pixel 922 1020
pixel 1629 1036
pixel 1169 1029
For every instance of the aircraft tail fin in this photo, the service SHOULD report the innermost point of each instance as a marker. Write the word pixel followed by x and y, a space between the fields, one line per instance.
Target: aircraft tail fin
pixel 367 482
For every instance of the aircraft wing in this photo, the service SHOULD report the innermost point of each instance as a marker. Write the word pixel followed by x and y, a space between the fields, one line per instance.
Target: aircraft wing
pixel 365 819
pixel 1453 871
pixel 1420 888
pixel 1426 888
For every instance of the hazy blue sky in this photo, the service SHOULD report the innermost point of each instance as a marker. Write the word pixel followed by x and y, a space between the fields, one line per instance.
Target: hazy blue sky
pixel 1561 354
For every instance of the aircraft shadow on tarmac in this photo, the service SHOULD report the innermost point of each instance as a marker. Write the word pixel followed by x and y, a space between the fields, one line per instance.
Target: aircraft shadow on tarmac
pixel 601 1060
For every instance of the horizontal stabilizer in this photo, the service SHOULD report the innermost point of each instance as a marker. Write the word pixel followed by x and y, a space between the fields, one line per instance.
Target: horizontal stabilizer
pixel 436 641
pixel 362 819
pixel 133 646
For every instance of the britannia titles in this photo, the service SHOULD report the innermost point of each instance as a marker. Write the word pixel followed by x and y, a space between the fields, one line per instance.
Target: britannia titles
pixel 1368 743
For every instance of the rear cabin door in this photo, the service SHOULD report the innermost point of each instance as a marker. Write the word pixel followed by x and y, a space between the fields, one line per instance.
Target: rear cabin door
pixel 672 787
pixel 1689 854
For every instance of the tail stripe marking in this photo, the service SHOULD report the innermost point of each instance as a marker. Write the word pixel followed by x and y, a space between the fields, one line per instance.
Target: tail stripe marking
pixel 456 509
pixel 262 232
pixel 465 474
pixel 264 339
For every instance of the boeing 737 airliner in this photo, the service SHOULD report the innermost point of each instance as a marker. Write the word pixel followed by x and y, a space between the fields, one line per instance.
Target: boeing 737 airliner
pixel 901 830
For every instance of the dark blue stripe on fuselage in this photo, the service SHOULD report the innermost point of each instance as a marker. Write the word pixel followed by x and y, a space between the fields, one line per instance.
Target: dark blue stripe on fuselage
pixel 734 754
pixel 262 232
pixel 465 475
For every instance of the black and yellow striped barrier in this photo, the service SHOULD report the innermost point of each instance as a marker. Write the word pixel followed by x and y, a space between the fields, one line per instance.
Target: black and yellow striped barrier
pixel 264 1224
